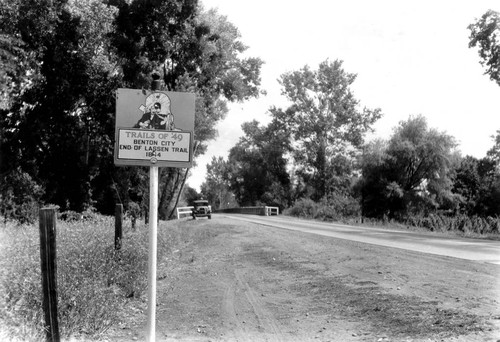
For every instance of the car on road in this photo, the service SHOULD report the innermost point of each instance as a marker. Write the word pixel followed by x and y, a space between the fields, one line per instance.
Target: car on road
pixel 201 208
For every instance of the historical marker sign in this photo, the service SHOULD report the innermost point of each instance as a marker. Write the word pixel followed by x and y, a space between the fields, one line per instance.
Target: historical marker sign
pixel 154 128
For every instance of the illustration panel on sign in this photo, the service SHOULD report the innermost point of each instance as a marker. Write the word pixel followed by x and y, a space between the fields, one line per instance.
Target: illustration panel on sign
pixel 157 113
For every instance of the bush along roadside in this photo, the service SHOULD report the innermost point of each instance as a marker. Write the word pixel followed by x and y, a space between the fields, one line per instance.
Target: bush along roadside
pixel 461 224
pixel 346 212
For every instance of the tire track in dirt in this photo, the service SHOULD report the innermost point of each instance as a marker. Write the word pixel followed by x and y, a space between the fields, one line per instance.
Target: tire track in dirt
pixel 236 331
pixel 246 315
pixel 265 319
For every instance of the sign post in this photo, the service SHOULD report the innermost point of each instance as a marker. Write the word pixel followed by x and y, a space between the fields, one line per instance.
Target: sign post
pixel 153 227
pixel 154 128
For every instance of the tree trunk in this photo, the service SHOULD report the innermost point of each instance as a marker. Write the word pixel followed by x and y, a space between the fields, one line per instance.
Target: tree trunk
pixel 179 193
pixel 321 174
pixel 167 190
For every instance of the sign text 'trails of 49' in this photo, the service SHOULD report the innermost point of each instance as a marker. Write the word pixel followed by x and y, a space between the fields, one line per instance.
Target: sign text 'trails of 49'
pixel 154 128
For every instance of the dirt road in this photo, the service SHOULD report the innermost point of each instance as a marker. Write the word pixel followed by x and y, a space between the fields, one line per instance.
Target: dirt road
pixel 227 280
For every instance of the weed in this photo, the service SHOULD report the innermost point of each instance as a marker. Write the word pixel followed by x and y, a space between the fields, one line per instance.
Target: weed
pixel 463 225
pixel 94 281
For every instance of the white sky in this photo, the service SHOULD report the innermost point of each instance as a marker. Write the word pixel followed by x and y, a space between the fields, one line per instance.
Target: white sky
pixel 411 57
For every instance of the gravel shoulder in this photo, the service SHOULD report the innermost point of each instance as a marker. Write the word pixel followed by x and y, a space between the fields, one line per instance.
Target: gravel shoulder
pixel 228 280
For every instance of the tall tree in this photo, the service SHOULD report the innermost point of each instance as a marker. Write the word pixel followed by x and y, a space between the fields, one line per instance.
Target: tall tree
pixel 193 51
pixel 467 183
pixel 484 34
pixel 15 60
pixel 258 165
pixel 50 124
pixel 324 119
pixel 216 186
pixel 477 182
pixel 489 173
pixel 412 174
pixel 66 58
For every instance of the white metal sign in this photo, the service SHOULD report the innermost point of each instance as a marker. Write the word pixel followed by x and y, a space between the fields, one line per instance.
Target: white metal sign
pixel 154 146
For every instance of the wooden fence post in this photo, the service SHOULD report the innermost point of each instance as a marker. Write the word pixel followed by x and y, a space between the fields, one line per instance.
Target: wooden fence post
pixel 118 226
pixel 48 258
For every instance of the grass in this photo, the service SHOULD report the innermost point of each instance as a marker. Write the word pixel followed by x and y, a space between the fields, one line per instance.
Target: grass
pixel 97 286
pixel 94 281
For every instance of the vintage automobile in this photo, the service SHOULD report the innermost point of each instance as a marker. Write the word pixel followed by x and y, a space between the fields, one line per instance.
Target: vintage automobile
pixel 201 209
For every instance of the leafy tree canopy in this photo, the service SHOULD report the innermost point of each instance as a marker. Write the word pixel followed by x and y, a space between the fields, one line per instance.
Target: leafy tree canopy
pixel 494 152
pixel 216 186
pixel 485 34
pixel 65 58
pixel 411 173
pixel 324 119
pixel 258 165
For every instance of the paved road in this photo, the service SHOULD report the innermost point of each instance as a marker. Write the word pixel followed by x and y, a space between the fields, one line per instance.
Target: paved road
pixel 463 248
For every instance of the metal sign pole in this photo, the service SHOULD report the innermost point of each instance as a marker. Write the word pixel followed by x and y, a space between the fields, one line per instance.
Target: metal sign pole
pixel 153 227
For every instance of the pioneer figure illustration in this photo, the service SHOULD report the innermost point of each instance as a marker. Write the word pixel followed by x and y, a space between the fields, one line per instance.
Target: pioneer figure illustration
pixel 157 113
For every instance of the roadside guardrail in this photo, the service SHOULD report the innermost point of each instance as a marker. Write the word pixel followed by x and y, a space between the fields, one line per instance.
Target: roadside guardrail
pixel 182 211
pixel 262 211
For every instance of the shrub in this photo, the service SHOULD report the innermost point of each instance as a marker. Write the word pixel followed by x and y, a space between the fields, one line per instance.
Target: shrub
pixel 344 206
pixel 19 197
pixel 494 224
pixel 305 208
pixel 462 224
pixel 70 216
pixel 134 212
pixel 336 208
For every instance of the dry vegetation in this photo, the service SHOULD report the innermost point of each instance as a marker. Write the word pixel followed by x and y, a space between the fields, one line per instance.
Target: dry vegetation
pixel 223 280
